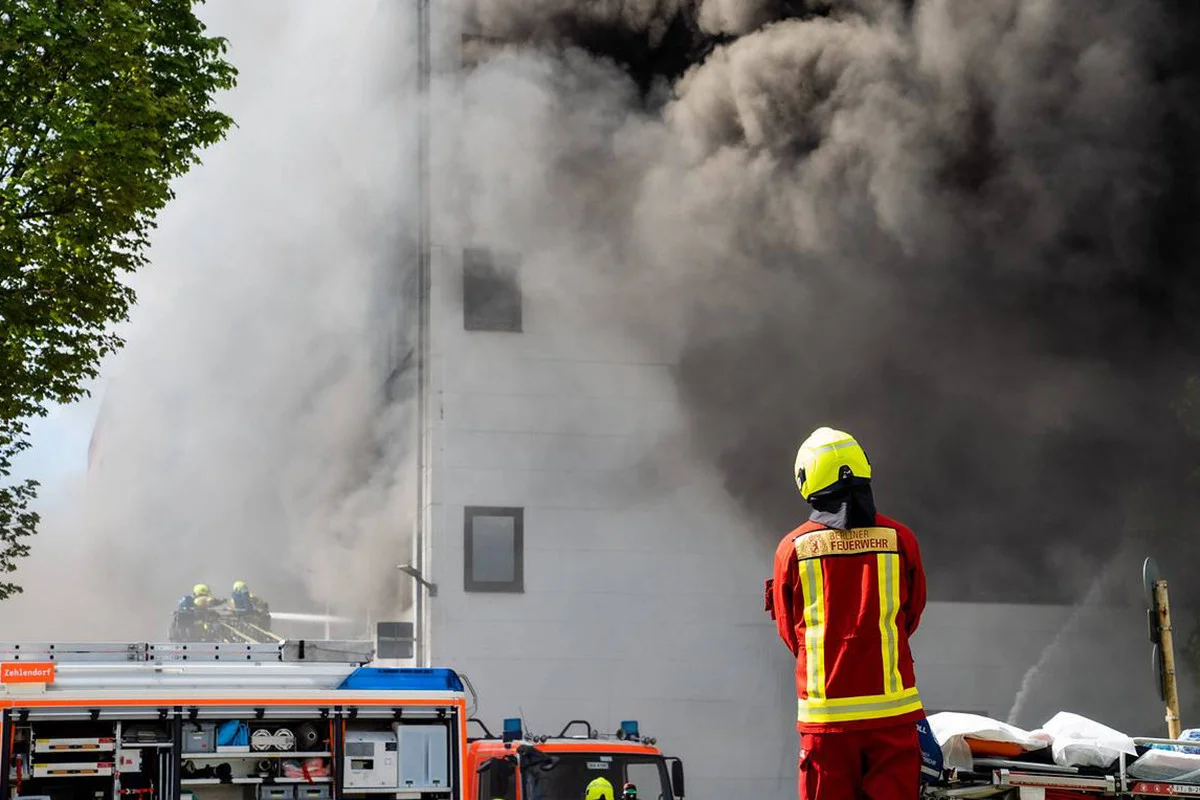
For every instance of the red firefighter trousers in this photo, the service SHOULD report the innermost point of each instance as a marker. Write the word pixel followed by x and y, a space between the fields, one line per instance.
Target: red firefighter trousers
pixel 876 764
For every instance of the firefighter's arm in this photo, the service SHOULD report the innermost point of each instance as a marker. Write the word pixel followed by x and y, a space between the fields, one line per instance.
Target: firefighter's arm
pixel 914 607
pixel 783 581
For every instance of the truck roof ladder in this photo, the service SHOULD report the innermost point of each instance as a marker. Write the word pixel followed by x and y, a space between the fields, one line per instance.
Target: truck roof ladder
pixel 327 651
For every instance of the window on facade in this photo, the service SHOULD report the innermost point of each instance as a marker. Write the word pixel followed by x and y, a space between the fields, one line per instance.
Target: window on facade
pixel 476 49
pixel 394 639
pixel 491 291
pixel 494 549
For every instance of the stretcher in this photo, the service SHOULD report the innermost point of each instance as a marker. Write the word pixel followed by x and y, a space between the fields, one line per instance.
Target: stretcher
pixel 1155 768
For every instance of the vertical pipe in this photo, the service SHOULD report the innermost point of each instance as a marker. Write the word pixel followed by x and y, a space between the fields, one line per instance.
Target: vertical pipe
pixel 423 324
pixel 116 773
pixel 176 790
pixel 7 734
pixel 1170 685
pixel 337 728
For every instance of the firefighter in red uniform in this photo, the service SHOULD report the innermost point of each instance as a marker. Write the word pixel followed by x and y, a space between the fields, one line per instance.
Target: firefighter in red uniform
pixel 847 593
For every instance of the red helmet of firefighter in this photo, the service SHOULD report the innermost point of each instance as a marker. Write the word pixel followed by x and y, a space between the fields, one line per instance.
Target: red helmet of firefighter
pixel 847 592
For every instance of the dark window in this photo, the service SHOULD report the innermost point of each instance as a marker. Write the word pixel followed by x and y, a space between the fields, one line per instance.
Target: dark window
pixel 490 787
pixel 476 49
pixel 574 771
pixel 394 639
pixel 491 291
pixel 494 549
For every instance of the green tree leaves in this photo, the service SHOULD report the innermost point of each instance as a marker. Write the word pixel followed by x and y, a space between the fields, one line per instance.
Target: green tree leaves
pixel 102 104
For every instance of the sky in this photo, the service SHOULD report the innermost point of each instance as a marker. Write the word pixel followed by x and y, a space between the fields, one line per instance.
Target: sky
pixel 59 445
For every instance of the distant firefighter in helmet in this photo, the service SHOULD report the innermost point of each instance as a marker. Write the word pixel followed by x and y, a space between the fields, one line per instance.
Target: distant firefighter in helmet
pixel 240 597
pixel 202 596
pixel 599 789
pixel 847 592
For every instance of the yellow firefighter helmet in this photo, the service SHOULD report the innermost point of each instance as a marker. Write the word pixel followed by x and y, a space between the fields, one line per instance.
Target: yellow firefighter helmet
pixel 599 789
pixel 826 457
pixel 239 586
pixel 201 590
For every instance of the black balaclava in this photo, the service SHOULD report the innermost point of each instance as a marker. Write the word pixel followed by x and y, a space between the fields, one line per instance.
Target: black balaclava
pixel 848 504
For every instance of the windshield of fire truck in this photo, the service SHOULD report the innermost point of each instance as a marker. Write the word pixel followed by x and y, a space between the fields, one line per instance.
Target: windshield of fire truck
pixel 569 778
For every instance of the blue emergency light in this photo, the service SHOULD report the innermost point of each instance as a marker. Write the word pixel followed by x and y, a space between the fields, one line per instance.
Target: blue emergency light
pixel 629 729
pixel 512 729
pixel 403 679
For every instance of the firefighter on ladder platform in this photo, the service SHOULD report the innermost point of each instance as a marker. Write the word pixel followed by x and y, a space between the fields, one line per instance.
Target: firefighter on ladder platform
pixel 847 592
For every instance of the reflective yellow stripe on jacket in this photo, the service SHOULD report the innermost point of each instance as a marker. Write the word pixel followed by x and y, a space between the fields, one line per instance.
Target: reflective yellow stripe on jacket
pixel 875 706
pixel 895 700
pixel 814 625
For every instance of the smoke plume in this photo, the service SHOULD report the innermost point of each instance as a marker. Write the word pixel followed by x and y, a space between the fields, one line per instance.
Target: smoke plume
pixel 963 233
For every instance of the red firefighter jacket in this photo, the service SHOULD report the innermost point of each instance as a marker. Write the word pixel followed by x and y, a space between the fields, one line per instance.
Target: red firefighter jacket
pixel 846 603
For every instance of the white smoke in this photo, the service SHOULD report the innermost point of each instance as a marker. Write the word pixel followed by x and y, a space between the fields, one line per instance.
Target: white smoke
pixel 245 432
pixel 1099 654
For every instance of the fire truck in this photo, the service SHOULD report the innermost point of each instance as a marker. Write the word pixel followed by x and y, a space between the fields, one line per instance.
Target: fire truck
pixel 518 765
pixel 300 720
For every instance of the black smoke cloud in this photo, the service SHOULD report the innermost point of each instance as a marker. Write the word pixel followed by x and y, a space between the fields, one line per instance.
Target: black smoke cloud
pixel 964 232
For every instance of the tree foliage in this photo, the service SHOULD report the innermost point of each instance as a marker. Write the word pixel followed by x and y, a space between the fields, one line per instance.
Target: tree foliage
pixel 102 104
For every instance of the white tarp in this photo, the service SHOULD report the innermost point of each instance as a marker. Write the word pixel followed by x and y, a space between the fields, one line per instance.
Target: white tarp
pixel 1080 742
pixel 952 730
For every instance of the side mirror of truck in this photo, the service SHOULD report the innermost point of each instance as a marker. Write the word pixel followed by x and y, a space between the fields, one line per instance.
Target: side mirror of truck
pixel 676 777
pixel 532 758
